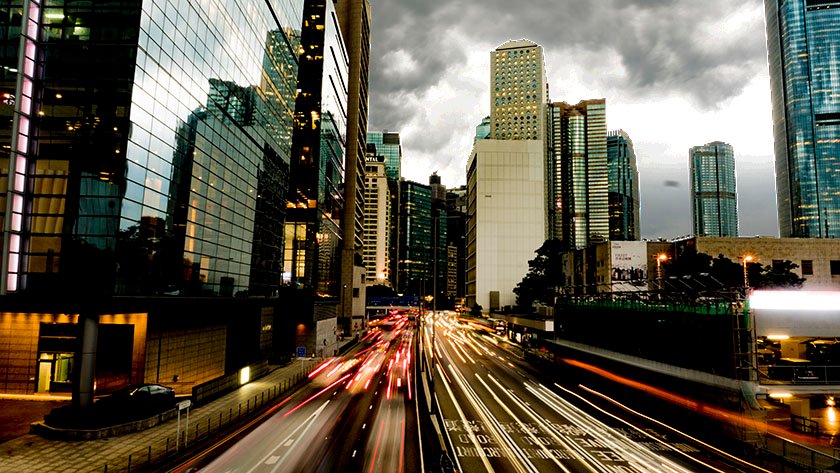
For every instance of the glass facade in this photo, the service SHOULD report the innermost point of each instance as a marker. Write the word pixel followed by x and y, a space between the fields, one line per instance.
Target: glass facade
pixel 623 187
pixel 160 144
pixel 415 263
pixel 482 131
pixel 714 200
pixel 803 40
pixel 388 146
pixel 578 172
pixel 517 91
pixel 316 199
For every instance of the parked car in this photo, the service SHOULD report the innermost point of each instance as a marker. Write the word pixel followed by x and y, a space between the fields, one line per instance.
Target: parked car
pixel 140 397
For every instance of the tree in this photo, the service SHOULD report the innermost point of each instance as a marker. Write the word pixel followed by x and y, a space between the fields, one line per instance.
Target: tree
pixel 380 290
pixel 779 275
pixel 544 275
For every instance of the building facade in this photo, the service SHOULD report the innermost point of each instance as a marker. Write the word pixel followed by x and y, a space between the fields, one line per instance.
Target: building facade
pixel 578 179
pixel 416 233
pixel 714 200
pixel 315 204
pixel 354 21
pixel 623 187
pixel 456 235
pixel 518 91
pixel 387 145
pixel 482 130
pixel 802 42
pixel 506 218
pixel 150 161
pixel 377 240
pixel 440 253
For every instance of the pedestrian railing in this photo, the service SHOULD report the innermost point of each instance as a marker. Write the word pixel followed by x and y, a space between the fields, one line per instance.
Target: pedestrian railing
pixel 800 455
pixel 201 428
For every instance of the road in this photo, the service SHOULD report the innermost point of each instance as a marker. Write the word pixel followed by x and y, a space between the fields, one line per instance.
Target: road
pixel 499 415
pixel 357 414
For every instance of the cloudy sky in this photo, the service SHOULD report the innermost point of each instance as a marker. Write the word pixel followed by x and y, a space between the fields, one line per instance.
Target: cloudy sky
pixel 675 74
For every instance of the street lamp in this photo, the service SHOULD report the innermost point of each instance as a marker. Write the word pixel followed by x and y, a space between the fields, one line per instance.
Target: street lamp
pixel 660 258
pixel 746 259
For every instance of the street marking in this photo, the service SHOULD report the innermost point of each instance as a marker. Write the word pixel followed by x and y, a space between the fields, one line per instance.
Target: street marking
pixel 272 459
pixel 288 443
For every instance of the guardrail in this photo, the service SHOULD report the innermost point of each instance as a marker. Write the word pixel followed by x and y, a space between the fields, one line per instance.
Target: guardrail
pixel 800 455
pixel 203 427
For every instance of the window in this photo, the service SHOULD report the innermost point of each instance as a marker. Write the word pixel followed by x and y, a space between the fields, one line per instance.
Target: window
pixel 835 267
pixel 807 267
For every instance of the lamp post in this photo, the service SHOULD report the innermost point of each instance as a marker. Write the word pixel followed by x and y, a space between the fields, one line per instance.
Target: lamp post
pixel 746 259
pixel 660 258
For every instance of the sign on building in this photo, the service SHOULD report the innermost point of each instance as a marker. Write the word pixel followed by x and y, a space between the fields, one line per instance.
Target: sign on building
pixel 628 265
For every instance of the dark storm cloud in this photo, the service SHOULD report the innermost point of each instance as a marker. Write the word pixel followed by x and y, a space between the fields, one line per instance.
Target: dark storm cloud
pixel 663 46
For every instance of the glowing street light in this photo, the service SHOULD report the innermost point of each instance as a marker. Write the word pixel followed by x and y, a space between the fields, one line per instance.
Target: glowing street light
pixel 660 258
pixel 746 259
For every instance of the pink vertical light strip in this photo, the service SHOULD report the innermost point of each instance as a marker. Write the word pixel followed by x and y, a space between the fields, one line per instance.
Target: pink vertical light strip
pixel 20 148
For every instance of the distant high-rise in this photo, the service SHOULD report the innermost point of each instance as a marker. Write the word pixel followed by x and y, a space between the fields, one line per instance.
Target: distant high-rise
pixel 578 173
pixel 440 219
pixel 377 235
pixel 803 40
pixel 415 247
pixel 714 202
pixel 518 91
pixel 482 131
pixel 623 187
pixel 387 145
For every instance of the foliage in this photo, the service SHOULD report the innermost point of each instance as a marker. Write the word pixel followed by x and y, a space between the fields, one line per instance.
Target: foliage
pixel 379 290
pixel 698 272
pixel 544 275
pixel 476 310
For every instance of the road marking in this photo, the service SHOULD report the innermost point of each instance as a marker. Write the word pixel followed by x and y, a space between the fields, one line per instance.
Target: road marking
pixel 353 455
pixel 288 443
pixel 272 459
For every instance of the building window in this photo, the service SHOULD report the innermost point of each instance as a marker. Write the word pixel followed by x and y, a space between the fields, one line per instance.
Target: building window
pixel 807 267
pixel 835 267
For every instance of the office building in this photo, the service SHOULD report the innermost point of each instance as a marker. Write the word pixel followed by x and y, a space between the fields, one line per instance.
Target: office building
pixel 802 43
pixel 354 21
pixel 518 91
pixel 388 146
pixel 415 247
pixel 714 201
pixel 482 131
pixel 456 234
pixel 316 199
pixel 623 187
pixel 578 179
pixel 143 188
pixel 506 218
pixel 440 254
pixel 377 237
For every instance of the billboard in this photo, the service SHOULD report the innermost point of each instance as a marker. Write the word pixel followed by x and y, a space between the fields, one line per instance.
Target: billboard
pixel 628 265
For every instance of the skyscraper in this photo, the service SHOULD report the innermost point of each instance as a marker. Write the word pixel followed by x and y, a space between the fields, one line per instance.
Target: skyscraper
pixel 518 91
pixel 415 262
pixel 482 130
pixel 440 220
pixel 623 187
pixel 388 146
pixel 316 200
pixel 714 201
pixel 377 237
pixel 803 40
pixel 354 20
pixel 578 173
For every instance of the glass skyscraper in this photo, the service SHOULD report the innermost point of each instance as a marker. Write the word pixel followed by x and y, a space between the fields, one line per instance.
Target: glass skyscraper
pixel 151 145
pixel 415 247
pixel 714 200
pixel 578 173
pixel 388 146
pixel 623 187
pixel 803 40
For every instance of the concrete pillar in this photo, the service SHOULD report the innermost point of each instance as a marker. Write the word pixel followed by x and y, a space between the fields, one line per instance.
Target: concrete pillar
pixel 86 359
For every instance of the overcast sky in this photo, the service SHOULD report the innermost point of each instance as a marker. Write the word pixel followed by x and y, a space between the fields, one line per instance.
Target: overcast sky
pixel 675 74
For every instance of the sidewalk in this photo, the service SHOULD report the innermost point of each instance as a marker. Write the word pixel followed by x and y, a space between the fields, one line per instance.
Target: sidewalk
pixel 34 453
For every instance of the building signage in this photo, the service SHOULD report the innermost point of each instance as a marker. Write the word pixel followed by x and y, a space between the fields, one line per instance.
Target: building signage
pixel 628 265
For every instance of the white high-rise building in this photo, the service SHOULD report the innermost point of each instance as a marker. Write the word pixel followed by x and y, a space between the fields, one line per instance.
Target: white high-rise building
pixel 518 91
pixel 377 236
pixel 506 208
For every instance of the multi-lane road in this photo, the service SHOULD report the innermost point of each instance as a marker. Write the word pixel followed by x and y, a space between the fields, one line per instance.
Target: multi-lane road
pixel 501 415
pixel 484 406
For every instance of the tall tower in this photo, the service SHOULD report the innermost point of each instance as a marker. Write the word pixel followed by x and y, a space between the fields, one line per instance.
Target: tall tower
pixel 714 202
pixel 578 173
pixel 388 146
pixel 377 235
pixel 623 187
pixel 803 40
pixel 354 20
pixel 518 91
